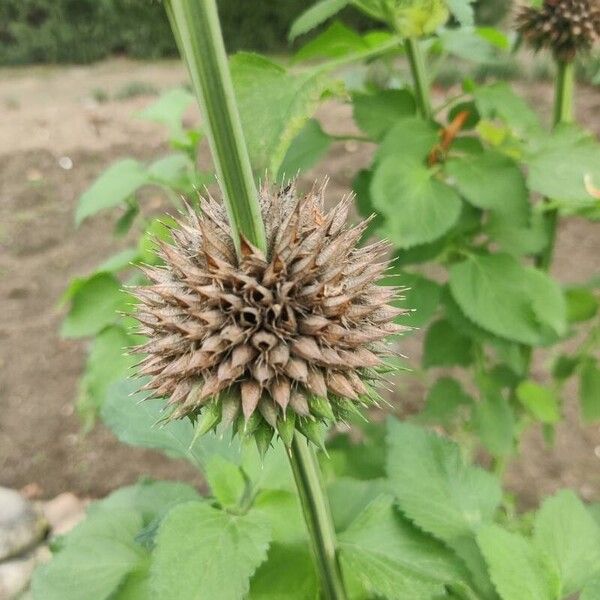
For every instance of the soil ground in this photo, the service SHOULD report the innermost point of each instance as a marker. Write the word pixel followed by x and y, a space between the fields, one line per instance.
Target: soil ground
pixel 57 133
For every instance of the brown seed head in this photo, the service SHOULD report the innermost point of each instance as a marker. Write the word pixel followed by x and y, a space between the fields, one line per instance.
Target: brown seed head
pixel 565 27
pixel 275 334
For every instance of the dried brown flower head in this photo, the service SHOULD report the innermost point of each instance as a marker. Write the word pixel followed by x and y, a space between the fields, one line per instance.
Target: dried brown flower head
pixel 278 341
pixel 565 27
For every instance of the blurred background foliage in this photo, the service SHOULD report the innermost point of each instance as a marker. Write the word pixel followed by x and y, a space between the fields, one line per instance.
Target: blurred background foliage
pixel 83 31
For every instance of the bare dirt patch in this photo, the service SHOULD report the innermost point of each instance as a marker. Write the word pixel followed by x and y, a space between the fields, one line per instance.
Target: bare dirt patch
pixel 53 113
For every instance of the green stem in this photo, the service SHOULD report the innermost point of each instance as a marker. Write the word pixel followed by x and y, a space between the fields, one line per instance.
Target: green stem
pixel 317 515
pixel 197 30
pixel 419 75
pixel 563 113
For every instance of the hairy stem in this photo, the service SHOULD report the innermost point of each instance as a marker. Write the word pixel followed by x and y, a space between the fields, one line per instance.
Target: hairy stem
pixel 197 30
pixel 317 514
pixel 419 75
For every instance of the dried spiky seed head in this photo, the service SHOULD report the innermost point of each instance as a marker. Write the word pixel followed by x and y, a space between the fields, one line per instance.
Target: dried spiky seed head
pixel 261 338
pixel 565 27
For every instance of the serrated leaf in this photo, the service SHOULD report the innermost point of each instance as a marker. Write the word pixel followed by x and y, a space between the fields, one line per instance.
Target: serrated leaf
pixel 101 559
pixel 225 481
pixel 516 302
pixel 434 488
pixel 171 171
pixel 589 390
pixel 417 207
pixel 308 147
pixel 492 181
pixel 94 305
pixel 133 419
pixel 349 497
pixel 516 567
pixel 288 574
pixel 376 113
pixel 446 346
pixel 205 553
pixel 108 361
pixel 566 533
pixel 336 41
pixel 500 101
pixel 112 188
pixel 283 511
pixel 462 11
pixel 421 297
pixel 315 15
pixel 445 403
pixel 495 423
pixel 274 105
pixel 540 401
pixel 565 180
pixel 411 138
pixel 169 110
pixel 392 558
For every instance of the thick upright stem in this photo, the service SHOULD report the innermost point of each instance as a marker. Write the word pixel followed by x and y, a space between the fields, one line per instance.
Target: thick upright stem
pixel 317 515
pixel 198 33
pixel 563 113
pixel 419 75
pixel 196 27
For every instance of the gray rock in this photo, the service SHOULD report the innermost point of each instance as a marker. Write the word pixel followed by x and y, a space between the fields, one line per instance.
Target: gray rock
pixel 21 524
pixel 15 574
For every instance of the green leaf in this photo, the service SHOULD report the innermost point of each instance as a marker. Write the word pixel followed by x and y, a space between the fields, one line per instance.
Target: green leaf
pixel 516 568
pixel 566 533
pixel 418 208
pixel 151 499
pixel 421 297
pixel 466 44
pixel 495 423
pixel 101 559
pixel 133 419
pixel 492 181
pixel 589 390
pixel 582 304
pixel 107 362
pixel 592 589
pixel 274 106
pixel 410 138
pixel 282 510
pixel 434 488
pixel 376 113
pixel 559 179
pixel 137 585
pixel 169 110
pixel 288 574
pixel 445 403
pixel 118 261
pixel 446 346
pixel 336 41
pixel 564 366
pixel 315 15
pixel 516 302
pixel 172 171
pixel 308 147
pixel 499 100
pixel 462 11
pixel 225 480
pixel 204 553
pixel 540 401
pixel 349 497
pixel 94 306
pixel 392 558
pixel 112 188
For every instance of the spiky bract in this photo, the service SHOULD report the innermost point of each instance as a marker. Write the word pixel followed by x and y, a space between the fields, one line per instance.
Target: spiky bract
pixel 565 27
pixel 278 340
